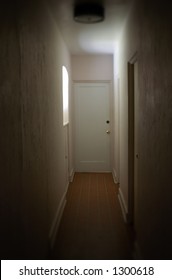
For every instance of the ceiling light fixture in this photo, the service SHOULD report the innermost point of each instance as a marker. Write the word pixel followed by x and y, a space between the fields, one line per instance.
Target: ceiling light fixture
pixel 88 13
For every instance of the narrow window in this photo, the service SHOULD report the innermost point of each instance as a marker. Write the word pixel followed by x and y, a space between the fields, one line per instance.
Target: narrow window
pixel 65 78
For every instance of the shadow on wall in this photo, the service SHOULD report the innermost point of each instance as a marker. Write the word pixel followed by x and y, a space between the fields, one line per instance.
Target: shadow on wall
pixel 32 165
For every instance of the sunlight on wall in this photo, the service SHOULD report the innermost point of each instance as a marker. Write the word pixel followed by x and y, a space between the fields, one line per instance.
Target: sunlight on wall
pixel 65 79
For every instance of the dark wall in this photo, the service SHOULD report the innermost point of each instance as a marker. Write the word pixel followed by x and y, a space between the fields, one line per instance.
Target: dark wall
pixel 11 135
pixel 148 32
pixel 32 152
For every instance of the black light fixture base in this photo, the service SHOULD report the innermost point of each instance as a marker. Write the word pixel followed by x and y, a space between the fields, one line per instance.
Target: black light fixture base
pixel 88 13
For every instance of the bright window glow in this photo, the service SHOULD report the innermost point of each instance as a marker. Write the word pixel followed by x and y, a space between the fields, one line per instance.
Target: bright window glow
pixel 65 78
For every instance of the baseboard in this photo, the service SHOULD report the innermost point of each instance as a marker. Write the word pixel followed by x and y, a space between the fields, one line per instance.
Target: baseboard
pixel 71 176
pixel 114 176
pixel 56 221
pixel 123 206
pixel 67 186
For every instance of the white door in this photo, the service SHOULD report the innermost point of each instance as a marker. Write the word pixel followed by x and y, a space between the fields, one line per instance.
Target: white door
pixel 92 127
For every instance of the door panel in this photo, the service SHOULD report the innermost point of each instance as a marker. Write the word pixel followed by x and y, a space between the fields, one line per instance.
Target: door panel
pixel 92 141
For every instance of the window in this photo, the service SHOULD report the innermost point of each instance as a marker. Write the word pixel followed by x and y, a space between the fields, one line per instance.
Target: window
pixel 65 81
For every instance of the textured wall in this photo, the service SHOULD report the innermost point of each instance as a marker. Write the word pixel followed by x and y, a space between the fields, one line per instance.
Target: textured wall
pixel 32 161
pixel 148 31
pixel 11 136
pixel 155 130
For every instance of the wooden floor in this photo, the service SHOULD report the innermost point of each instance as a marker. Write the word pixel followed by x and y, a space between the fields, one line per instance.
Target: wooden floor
pixel 92 225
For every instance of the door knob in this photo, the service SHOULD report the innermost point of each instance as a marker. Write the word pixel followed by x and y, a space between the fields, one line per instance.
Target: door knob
pixel 108 131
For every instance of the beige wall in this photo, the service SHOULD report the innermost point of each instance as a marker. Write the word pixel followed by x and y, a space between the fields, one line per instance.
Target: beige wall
pixel 32 161
pixel 148 31
pixel 92 67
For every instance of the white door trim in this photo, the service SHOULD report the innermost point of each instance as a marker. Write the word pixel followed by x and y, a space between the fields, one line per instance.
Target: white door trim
pixel 131 124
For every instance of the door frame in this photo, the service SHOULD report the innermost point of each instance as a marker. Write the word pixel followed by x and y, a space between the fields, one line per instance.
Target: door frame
pixel 109 82
pixel 131 135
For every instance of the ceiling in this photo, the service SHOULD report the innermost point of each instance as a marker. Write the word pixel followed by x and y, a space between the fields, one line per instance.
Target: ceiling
pixel 91 38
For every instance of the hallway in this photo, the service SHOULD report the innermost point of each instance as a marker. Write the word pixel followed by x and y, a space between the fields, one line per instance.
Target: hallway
pixel 92 225
pixel 37 147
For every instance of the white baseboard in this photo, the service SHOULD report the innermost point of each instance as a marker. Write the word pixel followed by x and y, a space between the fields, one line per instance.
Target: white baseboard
pixel 114 176
pixel 123 206
pixel 71 176
pixel 56 221
pixel 67 186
